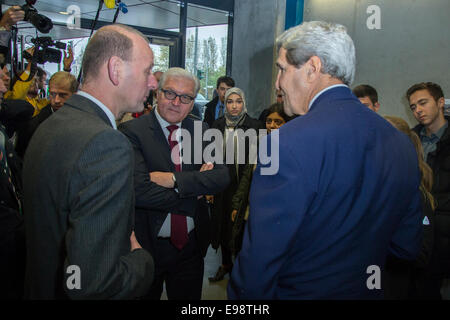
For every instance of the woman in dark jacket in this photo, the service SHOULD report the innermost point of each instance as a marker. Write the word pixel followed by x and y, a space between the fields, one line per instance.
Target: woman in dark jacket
pixel 235 117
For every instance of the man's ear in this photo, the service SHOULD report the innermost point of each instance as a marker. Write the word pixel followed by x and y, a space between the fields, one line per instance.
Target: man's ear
pixel 441 103
pixel 314 67
pixel 114 69
pixel 376 105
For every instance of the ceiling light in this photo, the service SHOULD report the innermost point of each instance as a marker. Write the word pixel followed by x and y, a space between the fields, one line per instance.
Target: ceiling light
pixel 63 12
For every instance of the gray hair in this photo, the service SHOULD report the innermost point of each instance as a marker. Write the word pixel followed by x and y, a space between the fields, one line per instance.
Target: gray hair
pixel 328 41
pixel 240 93
pixel 179 73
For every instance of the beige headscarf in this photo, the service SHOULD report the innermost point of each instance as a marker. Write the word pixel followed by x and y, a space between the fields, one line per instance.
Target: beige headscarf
pixel 233 121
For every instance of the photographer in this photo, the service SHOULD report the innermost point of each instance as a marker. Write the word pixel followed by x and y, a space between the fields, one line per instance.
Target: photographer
pixel 29 90
pixel 9 18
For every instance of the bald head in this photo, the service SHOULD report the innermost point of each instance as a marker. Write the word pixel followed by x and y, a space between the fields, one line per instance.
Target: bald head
pixel 113 40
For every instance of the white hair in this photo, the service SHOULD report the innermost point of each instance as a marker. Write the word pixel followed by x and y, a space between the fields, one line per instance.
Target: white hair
pixel 178 73
pixel 328 41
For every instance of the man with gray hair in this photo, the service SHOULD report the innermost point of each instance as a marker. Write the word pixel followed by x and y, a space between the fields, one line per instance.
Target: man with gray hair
pixel 172 221
pixel 78 180
pixel 347 190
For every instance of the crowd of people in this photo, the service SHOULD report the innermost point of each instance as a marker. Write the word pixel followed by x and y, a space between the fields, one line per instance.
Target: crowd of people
pixel 111 202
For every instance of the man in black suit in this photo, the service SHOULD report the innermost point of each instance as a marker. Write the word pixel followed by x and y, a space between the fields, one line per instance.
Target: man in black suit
pixel 172 219
pixel 62 86
pixel 216 107
pixel 78 183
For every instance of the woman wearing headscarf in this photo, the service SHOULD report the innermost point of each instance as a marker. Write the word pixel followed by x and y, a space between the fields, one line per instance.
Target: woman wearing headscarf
pixel 235 117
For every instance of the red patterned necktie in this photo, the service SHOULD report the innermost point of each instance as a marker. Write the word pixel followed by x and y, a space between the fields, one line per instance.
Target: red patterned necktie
pixel 178 223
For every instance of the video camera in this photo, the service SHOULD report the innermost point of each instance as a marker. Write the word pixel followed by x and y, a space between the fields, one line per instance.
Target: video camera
pixel 39 21
pixel 42 52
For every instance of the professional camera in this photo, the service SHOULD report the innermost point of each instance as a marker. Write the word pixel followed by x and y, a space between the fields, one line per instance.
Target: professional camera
pixel 43 53
pixel 40 22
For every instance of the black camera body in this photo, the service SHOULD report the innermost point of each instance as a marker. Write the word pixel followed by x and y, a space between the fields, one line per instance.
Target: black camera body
pixel 39 21
pixel 43 53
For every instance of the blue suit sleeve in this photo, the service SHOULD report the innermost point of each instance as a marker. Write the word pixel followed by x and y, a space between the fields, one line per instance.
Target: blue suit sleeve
pixel 406 241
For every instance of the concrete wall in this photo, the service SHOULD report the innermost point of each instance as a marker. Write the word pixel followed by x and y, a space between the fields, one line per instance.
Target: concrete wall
pixel 256 25
pixel 413 45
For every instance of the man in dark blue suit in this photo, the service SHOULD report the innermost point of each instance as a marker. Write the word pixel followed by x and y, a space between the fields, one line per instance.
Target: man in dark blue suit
pixel 346 192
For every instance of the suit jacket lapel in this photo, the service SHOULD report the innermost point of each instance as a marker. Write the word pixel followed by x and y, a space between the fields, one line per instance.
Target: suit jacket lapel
pixel 157 136
pixel 188 125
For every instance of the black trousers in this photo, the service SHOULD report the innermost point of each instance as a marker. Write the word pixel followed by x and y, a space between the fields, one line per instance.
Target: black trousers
pixel 12 264
pixel 181 270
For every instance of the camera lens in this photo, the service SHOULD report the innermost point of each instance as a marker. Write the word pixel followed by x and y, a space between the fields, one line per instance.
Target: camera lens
pixel 42 23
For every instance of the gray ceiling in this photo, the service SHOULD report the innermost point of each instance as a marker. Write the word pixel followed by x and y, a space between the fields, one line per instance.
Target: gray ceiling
pixel 157 14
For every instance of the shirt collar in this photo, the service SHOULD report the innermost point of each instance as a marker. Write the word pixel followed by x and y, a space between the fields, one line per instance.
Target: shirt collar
pixel 164 124
pixel 326 89
pixel 105 109
pixel 438 134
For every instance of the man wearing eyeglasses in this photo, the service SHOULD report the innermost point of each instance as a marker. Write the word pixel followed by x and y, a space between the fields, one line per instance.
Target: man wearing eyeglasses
pixel 62 86
pixel 172 220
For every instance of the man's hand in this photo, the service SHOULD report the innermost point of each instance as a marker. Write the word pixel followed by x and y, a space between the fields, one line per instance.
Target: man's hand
pixel 209 199
pixel 206 167
pixel 134 243
pixel 233 215
pixel 30 51
pixel 68 59
pixel 163 179
pixel 11 16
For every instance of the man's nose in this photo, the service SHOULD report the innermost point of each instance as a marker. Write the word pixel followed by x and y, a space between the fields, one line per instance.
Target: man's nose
pixel 176 101
pixel 277 83
pixel 419 109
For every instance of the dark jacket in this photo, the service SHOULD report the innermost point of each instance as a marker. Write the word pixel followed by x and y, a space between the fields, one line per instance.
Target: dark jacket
pixel 153 202
pixel 319 220
pixel 26 132
pixel 79 208
pixel 222 209
pixel 439 161
pixel 210 112
pixel 402 278
pixel 10 186
pixel 240 203
pixel 12 237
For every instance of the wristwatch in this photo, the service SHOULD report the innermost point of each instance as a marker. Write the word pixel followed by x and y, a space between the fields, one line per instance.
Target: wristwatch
pixel 175 185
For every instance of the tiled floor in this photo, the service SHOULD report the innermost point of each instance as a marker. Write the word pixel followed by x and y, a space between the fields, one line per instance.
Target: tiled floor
pixel 216 290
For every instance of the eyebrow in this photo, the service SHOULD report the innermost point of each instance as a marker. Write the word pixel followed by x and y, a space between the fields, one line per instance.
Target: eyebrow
pixel 419 102
pixel 182 94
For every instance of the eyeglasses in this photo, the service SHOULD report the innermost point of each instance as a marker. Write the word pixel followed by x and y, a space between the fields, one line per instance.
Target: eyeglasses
pixel 170 95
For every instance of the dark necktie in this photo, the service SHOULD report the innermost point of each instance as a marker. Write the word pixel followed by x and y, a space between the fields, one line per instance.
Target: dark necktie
pixel 178 223
pixel 221 107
